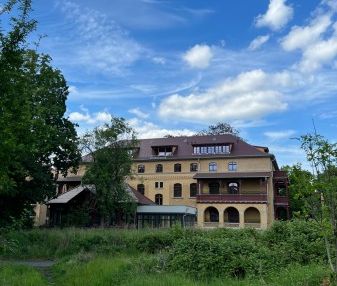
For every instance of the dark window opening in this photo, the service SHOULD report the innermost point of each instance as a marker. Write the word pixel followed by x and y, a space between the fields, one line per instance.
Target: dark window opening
pixel 193 190
pixel 177 167
pixel 141 188
pixel 194 167
pixel 158 199
pixel 177 191
pixel 141 168
pixel 214 188
pixel 159 168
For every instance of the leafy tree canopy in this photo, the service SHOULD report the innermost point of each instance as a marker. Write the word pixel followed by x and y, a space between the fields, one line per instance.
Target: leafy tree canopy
pixel 110 148
pixel 35 138
pixel 218 129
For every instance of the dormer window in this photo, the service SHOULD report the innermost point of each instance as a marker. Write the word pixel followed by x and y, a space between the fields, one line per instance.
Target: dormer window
pixel 212 149
pixel 164 151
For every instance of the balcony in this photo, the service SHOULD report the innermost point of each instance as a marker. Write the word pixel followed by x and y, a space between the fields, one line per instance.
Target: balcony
pixel 281 200
pixel 259 198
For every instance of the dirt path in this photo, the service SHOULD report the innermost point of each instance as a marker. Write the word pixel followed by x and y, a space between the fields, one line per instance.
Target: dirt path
pixel 43 266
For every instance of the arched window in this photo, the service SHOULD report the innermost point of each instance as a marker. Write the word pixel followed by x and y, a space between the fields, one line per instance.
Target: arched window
pixel 194 167
pixel 214 188
pixel 233 188
pixel 232 166
pixel 158 198
pixel 177 191
pixel 212 167
pixel 159 168
pixel 141 188
pixel 141 168
pixel 252 215
pixel 177 167
pixel 193 190
pixel 231 215
pixel 211 214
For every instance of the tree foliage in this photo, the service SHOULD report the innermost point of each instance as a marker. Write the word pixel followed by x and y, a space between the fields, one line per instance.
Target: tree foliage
pixel 322 155
pixel 219 129
pixel 110 148
pixel 34 135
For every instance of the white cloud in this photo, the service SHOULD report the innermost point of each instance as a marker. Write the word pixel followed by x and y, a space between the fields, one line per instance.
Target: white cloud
pixel 317 42
pixel 199 56
pixel 249 96
pixel 87 118
pixel 301 37
pixel 278 135
pixel 146 129
pixel 136 111
pixel 258 42
pixel 159 60
pixel 277 15
pixel 101 44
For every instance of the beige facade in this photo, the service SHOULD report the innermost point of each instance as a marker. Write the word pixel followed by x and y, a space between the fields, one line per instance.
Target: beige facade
pixel 152 180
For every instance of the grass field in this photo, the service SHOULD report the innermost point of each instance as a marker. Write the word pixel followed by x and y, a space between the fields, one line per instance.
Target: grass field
pixel 129 257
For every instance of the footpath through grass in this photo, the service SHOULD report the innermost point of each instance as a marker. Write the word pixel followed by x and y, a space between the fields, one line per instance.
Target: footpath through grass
pixel 289 253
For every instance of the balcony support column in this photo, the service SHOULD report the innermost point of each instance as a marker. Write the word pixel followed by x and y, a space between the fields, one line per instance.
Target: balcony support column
pixel 221 217
pixel 242 218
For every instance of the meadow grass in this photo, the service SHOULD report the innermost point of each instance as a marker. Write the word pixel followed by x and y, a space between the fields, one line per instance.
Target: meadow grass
pixel 127 271
pixel 20 275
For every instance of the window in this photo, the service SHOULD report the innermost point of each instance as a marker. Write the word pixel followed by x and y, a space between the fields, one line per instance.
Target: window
pixel 141 168
pixel 194 167
pixel 177 191
pixel 212 149
pixel 193 190
pixel 141 188
pixel 159 168
pixel 214 188
pixel 233 188
pixel 232 166
pixel 177 167
pixel 158 199
pixel 159 185
pixel 212 167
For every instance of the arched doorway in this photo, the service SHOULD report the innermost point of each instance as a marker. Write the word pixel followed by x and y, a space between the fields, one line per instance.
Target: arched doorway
pixel 231 217
pixel 252 217
pixel 281 213
pixel 211 216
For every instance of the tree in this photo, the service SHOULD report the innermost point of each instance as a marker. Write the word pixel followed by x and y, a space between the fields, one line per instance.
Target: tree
pixel 36 141
pixel 322 156
pixel 218 129
pixel 301 189
pixel 111 148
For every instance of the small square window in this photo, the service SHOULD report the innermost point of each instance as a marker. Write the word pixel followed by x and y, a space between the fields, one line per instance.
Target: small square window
pixel 232 166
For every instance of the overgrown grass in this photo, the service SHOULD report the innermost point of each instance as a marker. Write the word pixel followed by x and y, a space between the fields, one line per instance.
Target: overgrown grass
pixel 126 271
pixel 19 275
pixel 289 253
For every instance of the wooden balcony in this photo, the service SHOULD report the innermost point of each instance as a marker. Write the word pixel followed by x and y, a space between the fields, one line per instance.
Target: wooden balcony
pixel 232 198
pixel 281 200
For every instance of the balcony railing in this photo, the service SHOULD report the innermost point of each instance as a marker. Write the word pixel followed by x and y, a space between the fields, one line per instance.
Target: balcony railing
pixel 211 224
pixel 281 200
pixel 232 198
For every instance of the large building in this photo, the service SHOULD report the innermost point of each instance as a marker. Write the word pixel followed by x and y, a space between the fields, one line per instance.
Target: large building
pixel 229 182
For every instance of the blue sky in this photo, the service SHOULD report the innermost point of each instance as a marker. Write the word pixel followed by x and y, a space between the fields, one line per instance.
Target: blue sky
pixel 267 67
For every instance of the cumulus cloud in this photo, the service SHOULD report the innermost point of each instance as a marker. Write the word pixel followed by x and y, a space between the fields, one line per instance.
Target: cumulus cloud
pixel 87 118
pixel 141 114
pixel 146 129
pixel 258 42
pixel 317 42
pixel 277 15
pixel 278 135
pixel 301 37
pixel 249 96
pixel 198 56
